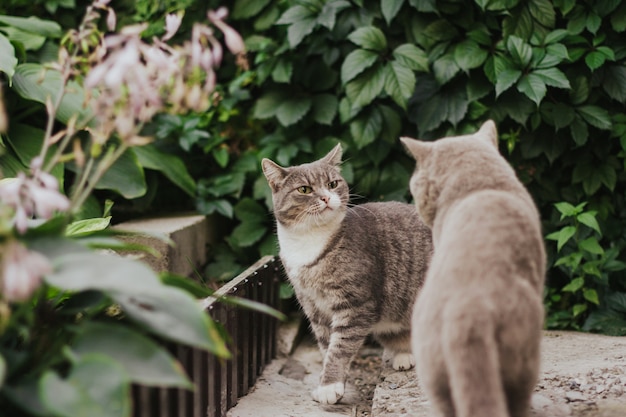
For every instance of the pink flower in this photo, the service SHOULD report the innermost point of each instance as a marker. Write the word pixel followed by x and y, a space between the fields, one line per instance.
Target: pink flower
pixel 21 271
pixel 172 23
pixel 233 39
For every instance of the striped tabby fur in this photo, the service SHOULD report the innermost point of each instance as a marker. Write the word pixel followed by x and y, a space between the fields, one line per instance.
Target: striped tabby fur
pixel 355 270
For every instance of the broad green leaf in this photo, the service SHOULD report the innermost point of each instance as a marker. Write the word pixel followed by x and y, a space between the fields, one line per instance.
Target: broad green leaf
pixel 390 9
pixel 33 24
pixel 267 105
pixel 170 165
pixel 555 54
pixel 506 79
pixel 247 234
pixel 29 41
pixel 445 68
pixel 292 110
pixel 125 176
pixel 589 220
pixel 248 210
pixel 282 71
pixel 533 87
pixel 563 115
pixel 567 210
pixel 369 37
pixel 366 128
pixel 616 301
pixel 324 108
pixel 591 245
pixel 248 8
pixel 34 82
pixel 591 295
pixel 565 235
pixel 520 51
pixel 595 116
pixel 411 57
pixel 552 77
pixel 614 82
pixel 578 309
pixel 356 62
pixel 399 83
pixel 607 321
pixel 299 30
pixel 96 386
pixel 579 131
pixel 145 361
pixel 392 124
pixel 595 60
pixel 294 14
pixel 574 285
pixel 366 87
pixel 87 226
pixel 8 61
pixel 469 55
pixel 555 36
pixel 450 106
pixel 543 12
pixel 328 15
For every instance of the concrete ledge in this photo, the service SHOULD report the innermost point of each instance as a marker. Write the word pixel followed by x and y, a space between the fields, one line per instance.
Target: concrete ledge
pixel 190 234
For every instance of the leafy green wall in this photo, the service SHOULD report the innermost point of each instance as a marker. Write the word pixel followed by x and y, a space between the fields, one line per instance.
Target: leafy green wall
pixel 551 74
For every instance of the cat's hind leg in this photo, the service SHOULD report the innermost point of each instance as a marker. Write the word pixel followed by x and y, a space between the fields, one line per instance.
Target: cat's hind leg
pixel 398 344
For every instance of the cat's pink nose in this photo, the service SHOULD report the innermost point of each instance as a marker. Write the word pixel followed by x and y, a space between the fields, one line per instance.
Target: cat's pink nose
pixel 325 199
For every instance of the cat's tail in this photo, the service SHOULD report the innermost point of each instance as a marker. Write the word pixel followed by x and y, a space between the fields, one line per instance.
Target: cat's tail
pixel 471 355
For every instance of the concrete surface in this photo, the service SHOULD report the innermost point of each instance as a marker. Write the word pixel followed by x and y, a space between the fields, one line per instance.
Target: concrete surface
pixel 582 375
pixel 181 239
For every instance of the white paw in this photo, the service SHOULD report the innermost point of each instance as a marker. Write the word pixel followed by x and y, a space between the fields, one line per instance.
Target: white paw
pixel 403 362
pixel 328 394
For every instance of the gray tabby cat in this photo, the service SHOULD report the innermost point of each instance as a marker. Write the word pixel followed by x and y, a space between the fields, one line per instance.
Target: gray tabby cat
pixel 478 320
pixel 355 270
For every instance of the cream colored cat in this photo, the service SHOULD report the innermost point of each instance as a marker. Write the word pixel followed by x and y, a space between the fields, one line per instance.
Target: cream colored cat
pixel 477 321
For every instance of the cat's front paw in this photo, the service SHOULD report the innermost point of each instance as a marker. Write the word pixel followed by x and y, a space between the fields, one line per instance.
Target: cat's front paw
pixel 403 361
pixel 328 394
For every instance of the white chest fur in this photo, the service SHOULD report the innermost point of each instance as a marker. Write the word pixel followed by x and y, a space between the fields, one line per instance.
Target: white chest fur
pixel 301 247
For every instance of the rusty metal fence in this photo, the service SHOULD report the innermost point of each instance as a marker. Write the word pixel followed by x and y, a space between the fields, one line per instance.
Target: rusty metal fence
pixel 220 383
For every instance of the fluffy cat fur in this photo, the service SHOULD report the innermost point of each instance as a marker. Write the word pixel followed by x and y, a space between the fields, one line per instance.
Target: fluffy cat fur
pixel 477 321
pixel 355 270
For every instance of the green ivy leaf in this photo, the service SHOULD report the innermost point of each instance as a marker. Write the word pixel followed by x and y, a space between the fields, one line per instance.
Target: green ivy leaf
pixel 533 87
pixel 170 165
pixel 591 245
pixel 468 55
pixel 399 82
pixel 445 68
pixel 520 51
pixel 292 110
pixel 614 82
pixel 247 234
pixel 301 20
pixel 578 309
pixel 506 79
pixel 574 285
pixel 589 220
pixel 552 77
pixel 248 210
pixel 324 108
pixel 591 295
pixel 282 71
pixel 32 24
pixel 369 37
pixel 390 9
pixel 366 128
pixel 267 105
pixel 411 57
pixel 366 87
pixel 567 210
pixel 595 116
pixel 248 8
pixel 565 234
pixel 356 62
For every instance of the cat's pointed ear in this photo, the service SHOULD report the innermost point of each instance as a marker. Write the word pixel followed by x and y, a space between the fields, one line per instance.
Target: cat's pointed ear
pixel 489 133
pixel 418 149
pixel 273 172
pixel 334 156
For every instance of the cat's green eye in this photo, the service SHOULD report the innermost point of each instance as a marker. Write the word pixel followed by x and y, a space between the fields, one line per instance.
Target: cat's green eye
pixel 305 189
pixel 333 184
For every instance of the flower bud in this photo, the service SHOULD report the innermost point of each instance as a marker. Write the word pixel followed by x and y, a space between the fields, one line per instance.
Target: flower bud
pixel 21 271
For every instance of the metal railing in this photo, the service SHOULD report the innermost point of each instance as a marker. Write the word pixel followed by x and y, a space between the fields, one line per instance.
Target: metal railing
pixel 220 383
